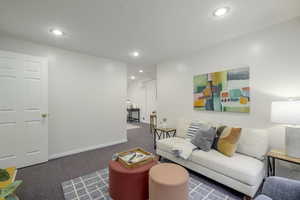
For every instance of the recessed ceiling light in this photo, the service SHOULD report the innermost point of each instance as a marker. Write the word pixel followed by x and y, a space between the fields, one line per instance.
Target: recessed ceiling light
pixel 56 32
pixel 135 54
pixel 141 71
pixel 132 77
pixel 220 12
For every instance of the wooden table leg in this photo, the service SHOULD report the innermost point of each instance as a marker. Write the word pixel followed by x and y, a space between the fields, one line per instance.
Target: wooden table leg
pixel 154 142
pixel 247 198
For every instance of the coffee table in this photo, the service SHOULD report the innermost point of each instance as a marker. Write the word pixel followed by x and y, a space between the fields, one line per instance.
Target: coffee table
pixel 129 183
pixel 168 181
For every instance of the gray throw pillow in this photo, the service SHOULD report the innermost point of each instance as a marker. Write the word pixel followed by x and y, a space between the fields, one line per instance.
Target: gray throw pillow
pixel 204 138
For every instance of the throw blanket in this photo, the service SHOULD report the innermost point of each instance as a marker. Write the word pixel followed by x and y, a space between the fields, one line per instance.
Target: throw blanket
pixel 184 149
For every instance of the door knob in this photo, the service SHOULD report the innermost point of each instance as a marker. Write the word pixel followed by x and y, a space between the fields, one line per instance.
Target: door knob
pixel 44 115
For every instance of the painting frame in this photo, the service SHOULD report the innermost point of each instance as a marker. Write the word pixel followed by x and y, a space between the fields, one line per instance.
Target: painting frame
pixel 223 91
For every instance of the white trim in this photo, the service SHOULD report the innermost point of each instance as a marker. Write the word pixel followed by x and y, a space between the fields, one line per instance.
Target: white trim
pixel 75 151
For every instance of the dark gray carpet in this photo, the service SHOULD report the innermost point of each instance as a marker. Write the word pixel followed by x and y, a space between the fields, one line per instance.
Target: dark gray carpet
pixel 43 182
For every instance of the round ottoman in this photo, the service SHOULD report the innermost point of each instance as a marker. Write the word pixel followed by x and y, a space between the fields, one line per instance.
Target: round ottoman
pixel 129 184
pixel 168 182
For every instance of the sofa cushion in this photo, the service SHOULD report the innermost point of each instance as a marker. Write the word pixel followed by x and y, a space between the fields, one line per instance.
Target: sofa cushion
pixel 243 168
pixel 204 137
pixel 215 124
pixel 168 144
pixel 254 142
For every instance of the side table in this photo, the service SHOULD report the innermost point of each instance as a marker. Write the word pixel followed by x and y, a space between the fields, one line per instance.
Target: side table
pixel 130 117
pixel 279 155
pixel 162 133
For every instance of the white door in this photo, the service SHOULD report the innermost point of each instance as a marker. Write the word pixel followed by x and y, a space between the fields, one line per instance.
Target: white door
pixel 23 110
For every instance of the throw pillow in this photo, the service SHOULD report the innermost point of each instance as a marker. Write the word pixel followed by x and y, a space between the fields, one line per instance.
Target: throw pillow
pixel 218 134
pixel 192 130
pixel 204 138
pixel 228 141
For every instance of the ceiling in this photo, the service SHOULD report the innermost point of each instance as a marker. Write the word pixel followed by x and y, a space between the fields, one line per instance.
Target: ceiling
pixel 159 29
pixel 149 72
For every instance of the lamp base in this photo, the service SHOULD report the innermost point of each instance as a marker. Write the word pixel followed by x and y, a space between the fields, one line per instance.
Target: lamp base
pixel 292 141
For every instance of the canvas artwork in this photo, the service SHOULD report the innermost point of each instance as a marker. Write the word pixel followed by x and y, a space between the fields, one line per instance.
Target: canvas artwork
pixel 224 91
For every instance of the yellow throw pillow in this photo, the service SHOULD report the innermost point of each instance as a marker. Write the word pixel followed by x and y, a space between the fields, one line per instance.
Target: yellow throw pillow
pixel 228 141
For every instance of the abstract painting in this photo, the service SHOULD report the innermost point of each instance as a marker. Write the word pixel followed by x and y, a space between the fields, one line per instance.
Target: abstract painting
pixel 224 91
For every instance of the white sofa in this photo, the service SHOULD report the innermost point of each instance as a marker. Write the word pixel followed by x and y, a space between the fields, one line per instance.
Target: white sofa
pixel 243 172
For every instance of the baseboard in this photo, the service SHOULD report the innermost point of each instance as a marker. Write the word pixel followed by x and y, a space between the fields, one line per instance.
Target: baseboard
pixel 75 151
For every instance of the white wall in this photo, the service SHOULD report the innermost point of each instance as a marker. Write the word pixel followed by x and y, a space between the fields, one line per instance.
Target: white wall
pixel 86 97
pixel 274 61
pixel 143 94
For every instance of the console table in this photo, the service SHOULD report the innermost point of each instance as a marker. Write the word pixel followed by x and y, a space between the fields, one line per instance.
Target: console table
pixel 131 117
pixel 162 133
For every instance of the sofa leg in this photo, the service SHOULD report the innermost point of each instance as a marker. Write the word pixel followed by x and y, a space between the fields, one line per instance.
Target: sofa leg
pixel 159 158
pixel 247 198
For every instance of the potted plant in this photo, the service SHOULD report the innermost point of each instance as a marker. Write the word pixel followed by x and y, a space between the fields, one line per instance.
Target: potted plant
pixel 4 175
pixel 7 192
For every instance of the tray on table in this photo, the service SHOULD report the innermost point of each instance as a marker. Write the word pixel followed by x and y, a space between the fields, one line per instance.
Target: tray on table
pixel 134 157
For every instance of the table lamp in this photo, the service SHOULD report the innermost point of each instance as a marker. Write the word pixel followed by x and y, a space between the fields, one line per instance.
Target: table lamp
pixel 288 113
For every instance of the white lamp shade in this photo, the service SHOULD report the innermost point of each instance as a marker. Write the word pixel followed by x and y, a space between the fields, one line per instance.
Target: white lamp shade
pixel 286 112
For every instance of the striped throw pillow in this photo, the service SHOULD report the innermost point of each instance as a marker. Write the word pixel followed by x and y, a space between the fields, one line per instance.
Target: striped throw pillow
pixel 192 130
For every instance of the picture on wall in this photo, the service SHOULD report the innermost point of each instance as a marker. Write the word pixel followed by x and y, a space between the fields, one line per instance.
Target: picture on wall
pixel 224 91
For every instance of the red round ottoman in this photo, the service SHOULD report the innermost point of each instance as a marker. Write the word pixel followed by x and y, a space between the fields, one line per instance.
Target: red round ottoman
pixel 129 184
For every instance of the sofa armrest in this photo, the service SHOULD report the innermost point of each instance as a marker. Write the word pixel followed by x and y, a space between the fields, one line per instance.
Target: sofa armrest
pixel 278 188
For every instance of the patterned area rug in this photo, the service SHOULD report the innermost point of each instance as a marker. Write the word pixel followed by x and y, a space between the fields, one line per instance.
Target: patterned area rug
pixel 94 186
